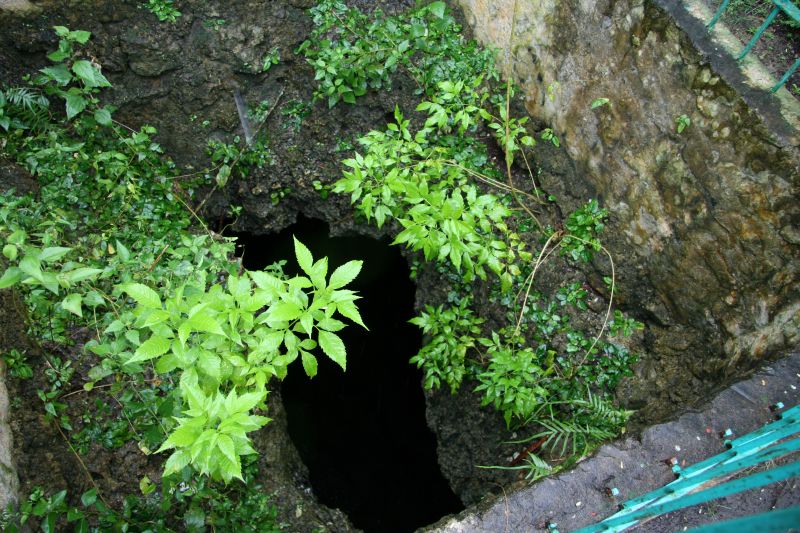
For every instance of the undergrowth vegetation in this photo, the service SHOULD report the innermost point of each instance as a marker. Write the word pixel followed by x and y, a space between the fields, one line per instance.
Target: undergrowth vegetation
pixel 179 334
pixel 110 258
pixel 429 174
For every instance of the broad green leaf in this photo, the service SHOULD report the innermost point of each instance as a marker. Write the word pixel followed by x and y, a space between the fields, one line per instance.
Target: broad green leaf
pixel 144 295
pixel 103 117
pixel 284 311
pixel 12 276
pixel 309 364
pixel 53 253
pixel 81 274
pixel 437 9
pixel 333 347
pixel 10 251
pixel 79 36
pixel 600 102
pixel 345 274
pixel 176 462
pixel 31 266
pixel 89 74
pixel 223 174
pixel 266 281
pixel 211 365
pixel 151 348
pixel 59 73
pixel 75 104
pixel 122 251
pixel 303 255
pixel 89 497
pixel 146 486
pixel 72 303
pixel 204 322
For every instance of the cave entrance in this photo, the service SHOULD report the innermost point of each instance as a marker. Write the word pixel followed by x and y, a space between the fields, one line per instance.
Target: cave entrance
pixel 362 433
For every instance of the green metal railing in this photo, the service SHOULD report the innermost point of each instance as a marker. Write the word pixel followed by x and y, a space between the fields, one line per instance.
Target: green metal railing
pixel 788 7
pixel 711 479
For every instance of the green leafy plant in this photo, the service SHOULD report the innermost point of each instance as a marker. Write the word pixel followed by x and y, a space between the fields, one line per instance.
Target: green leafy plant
pixel 452 331
pixel 295 111
pixel 17 364
pixel 600 102
pixel 352 52
pixel 434 182
pixel 682 122
pixel 271 58
pixel 165 10
pixel 183 340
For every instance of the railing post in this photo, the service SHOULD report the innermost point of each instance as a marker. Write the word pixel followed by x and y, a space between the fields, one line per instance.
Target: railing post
pixel 722 7
pixel 785 77
pixel 759 31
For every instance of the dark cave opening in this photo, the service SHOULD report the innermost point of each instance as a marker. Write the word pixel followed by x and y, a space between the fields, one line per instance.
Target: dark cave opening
pixel 362 433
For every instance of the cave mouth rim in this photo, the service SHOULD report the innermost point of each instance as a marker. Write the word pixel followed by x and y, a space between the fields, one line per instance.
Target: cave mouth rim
pixel 256 243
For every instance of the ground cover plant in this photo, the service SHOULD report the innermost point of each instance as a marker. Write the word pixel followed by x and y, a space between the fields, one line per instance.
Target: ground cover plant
pixel 185 342
pixel 181 336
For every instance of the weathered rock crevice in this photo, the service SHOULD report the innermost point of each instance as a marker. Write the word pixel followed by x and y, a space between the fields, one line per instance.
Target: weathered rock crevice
pixel 704 221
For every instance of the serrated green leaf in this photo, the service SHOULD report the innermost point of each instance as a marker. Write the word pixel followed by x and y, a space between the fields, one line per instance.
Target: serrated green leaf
pixel 333 347
pixel 103 117
pixel 226 446
pixel 303 255
pixel 309 364
pixel 72 303
pixel 202 321
pixel 167 363
pixel 349 310
pixel 144 295
pixel 59 73
pixel 345 274
pixel 151 348
pixel 89 74
pixel 284 311
pixel 177 462
pixel 211 365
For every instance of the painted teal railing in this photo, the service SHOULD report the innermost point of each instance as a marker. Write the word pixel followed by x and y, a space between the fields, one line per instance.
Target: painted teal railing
pixel 788 7
pixel 710 479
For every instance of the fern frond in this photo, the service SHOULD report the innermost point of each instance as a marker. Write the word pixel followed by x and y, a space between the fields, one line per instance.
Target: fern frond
pixel 24 108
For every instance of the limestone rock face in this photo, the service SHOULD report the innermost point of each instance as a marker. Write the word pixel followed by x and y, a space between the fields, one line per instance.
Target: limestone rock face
pixel 704 222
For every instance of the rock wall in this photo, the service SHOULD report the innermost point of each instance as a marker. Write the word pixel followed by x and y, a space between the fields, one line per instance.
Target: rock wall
pixel 704 223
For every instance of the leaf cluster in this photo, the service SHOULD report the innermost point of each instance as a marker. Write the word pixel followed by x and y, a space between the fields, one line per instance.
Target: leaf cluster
pixel 353 52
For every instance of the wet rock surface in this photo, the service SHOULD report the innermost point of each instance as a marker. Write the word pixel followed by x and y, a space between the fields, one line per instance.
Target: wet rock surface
pixel 701 221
